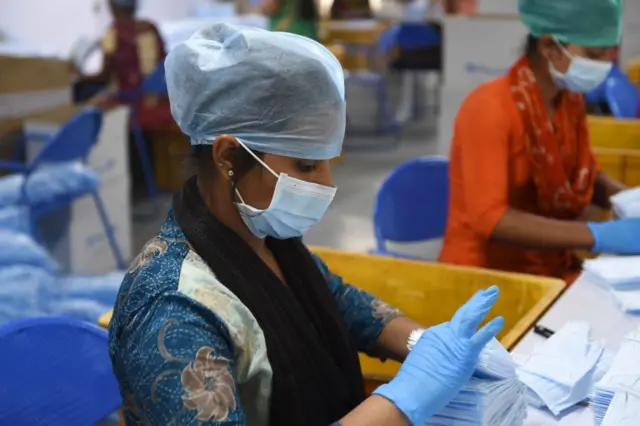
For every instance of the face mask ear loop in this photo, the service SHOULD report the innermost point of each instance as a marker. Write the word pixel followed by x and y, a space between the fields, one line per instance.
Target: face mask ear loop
pixel 232 186
pixel 257 158
pixel 238 194
pixel 564 49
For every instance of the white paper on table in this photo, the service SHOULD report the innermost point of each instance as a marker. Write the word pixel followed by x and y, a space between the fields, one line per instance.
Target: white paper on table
pixel 628 300
pixel 627 203
pixel 579 417
pixel 619 272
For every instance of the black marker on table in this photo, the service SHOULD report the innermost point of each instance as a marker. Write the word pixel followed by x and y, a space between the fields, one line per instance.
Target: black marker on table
pixel 543 331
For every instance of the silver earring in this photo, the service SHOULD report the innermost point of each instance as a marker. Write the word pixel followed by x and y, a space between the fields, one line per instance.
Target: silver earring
pixel 230 173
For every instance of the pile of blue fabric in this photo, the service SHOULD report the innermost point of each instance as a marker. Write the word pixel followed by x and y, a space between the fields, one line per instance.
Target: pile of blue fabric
pixel 31 283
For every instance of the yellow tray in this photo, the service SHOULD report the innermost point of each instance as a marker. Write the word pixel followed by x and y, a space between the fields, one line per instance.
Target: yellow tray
pixel 616 144
pixel 105 319
pixel 430 293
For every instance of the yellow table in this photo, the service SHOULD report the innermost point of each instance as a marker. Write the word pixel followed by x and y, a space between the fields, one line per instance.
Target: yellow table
pixel 105 319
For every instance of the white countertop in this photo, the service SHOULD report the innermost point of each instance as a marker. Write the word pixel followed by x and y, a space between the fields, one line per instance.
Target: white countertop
pixel 583 301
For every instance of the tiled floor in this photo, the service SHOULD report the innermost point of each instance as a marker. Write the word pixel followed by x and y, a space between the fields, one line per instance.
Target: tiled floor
pixel 348 223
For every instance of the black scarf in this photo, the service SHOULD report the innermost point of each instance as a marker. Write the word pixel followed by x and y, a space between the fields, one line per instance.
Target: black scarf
pixel 316 371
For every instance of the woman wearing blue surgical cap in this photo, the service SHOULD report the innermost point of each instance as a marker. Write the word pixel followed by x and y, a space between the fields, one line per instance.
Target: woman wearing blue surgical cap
pixel 225 317
pixel 522 168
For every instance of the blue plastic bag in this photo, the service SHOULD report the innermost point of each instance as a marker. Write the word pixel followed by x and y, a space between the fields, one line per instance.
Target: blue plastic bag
pixel 102 289
pixel 83 309
pixel 16 218
pixel 17 248
pixel 23 291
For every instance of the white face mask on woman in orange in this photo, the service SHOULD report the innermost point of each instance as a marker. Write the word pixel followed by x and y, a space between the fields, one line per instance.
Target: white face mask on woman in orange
pixel 583 74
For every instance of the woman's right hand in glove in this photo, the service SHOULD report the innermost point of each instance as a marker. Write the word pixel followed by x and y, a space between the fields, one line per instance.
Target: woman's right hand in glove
pixel 443 360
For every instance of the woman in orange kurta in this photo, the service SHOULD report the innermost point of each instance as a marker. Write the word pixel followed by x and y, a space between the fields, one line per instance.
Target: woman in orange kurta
pixel 522 171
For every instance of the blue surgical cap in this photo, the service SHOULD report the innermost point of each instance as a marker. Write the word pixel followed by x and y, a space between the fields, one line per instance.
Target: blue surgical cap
pixel 590 23
pixel 279 93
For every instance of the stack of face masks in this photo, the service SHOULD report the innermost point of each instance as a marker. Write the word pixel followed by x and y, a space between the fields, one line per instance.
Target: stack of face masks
pixel 616 400
pixel 626 204
pixel 561 372
pixel 493 397
pixel 619 275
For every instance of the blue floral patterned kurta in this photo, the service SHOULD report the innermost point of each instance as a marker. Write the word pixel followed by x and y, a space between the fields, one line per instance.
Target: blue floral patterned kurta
pixel 186 351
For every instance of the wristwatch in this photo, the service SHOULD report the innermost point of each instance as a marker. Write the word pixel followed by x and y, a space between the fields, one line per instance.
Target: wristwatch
pixel 414 336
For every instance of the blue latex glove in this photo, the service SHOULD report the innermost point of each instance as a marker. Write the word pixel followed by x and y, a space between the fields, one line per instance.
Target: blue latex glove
pixel 443 360
pixel 620 236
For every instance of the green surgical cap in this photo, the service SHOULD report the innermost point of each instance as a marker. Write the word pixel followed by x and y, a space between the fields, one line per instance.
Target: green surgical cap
pixel 590 23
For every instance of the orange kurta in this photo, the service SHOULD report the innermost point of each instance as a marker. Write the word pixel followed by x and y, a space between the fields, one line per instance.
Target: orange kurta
pixel 490 172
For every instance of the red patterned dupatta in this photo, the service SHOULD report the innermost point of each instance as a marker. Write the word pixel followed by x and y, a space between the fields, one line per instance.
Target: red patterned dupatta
pixel 563 192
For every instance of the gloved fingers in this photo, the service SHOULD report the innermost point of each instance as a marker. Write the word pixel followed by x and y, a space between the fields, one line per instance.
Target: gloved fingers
pixel 486 333
pixel 471 314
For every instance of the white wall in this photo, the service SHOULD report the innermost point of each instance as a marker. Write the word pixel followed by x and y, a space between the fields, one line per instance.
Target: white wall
pixel 630 48
pixel 476 50
pixel 166 10
pixel 499 7
pixel 38 24
pixel 53 25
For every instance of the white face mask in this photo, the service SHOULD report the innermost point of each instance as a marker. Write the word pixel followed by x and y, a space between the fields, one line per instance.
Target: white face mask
pixel 583 75
pixel 295 207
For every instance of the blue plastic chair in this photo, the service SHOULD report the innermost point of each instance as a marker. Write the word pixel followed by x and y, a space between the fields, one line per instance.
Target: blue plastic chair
pixel 55 371
pixel 59 174
pixel 621 95
pixel 418 36
pixel 412 204
pixel 597 95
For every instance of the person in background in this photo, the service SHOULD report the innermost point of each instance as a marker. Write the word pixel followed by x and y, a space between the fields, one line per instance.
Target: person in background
pixel 132 49
pixel 225 318
pixel 292 16
pixel 522 170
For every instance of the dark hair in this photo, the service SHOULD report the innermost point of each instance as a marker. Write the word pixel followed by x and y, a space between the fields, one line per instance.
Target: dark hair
pixel 308 10
pixel 201 158
pixel 531 45
pixel 128 10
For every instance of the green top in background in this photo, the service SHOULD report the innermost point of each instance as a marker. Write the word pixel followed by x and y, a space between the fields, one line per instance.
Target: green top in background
pixel 287 18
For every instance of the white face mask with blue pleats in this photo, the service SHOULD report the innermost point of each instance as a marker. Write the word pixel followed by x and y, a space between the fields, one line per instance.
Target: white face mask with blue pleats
pixel 295 207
